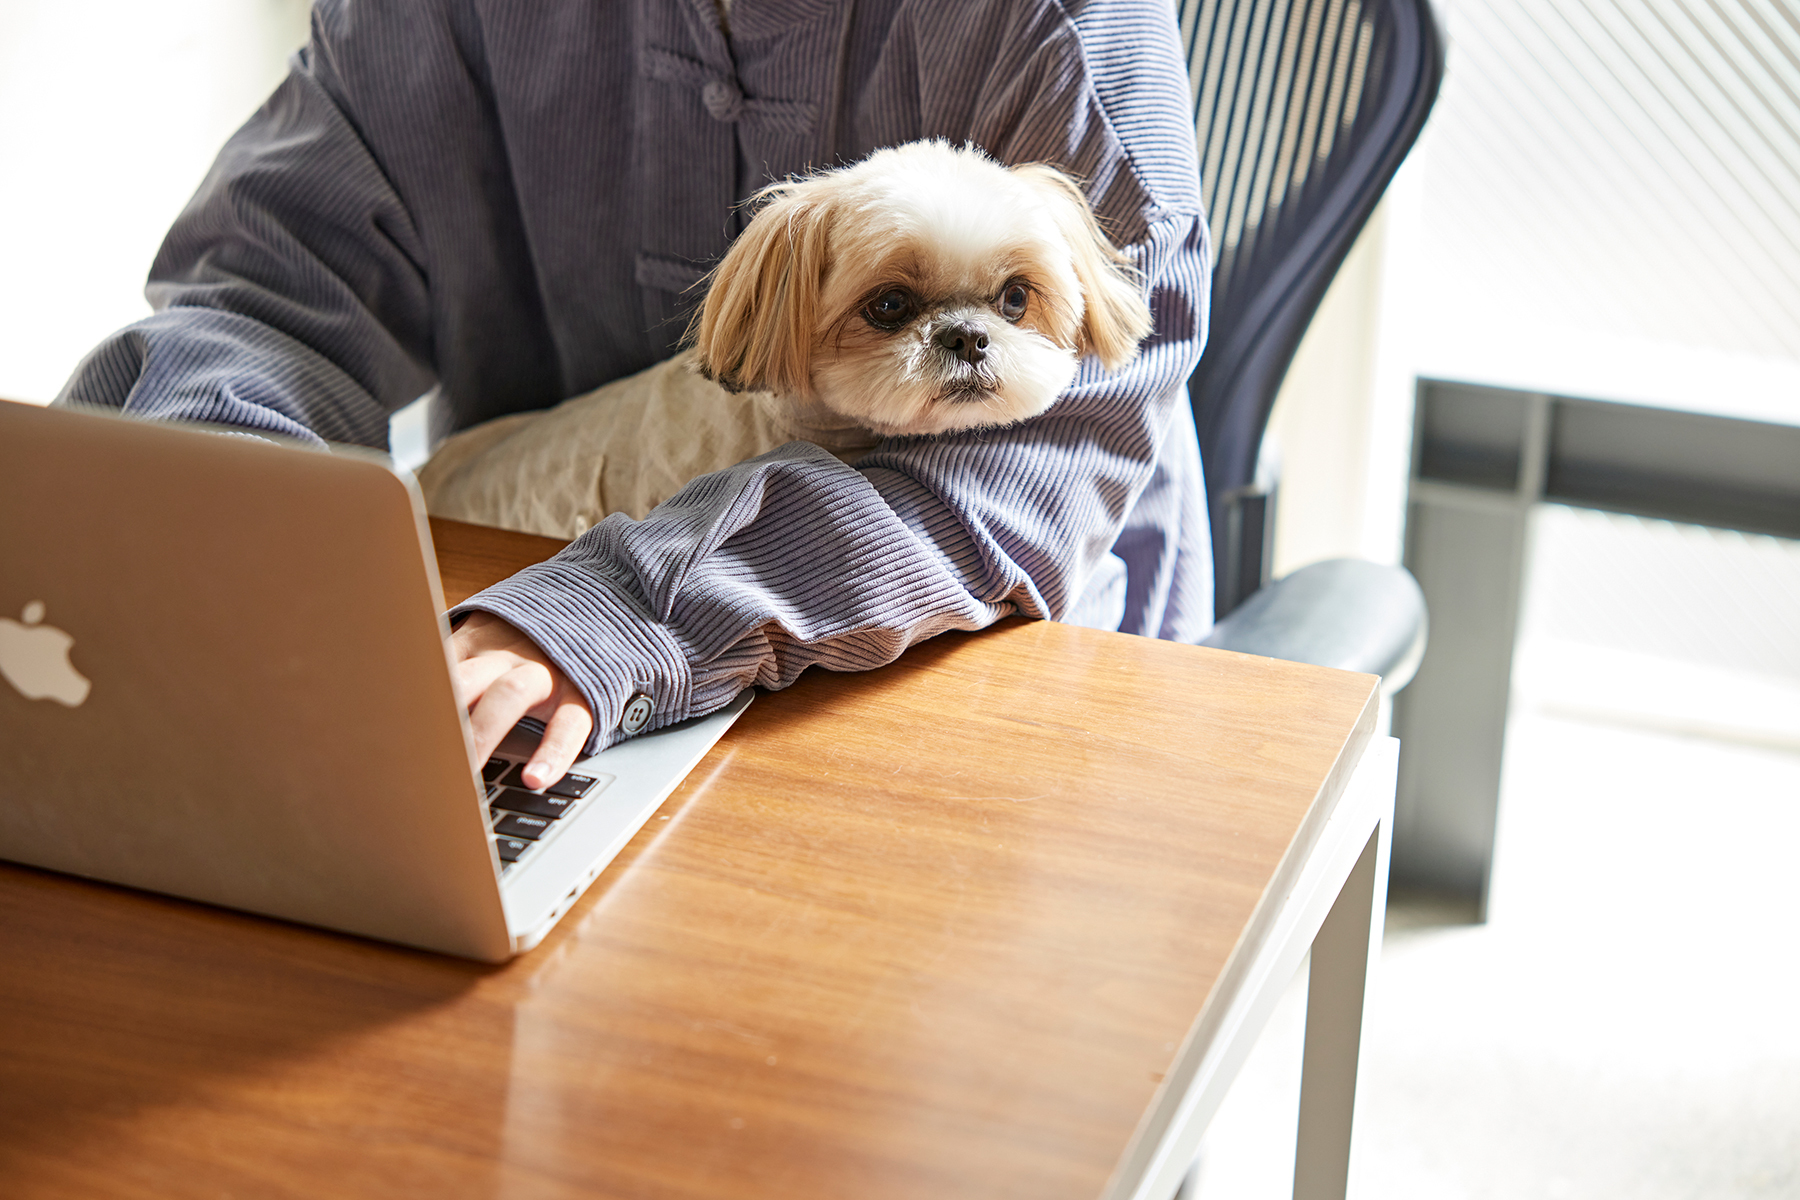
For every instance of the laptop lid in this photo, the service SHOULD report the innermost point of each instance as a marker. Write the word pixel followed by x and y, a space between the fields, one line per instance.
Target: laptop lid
pixel 226 678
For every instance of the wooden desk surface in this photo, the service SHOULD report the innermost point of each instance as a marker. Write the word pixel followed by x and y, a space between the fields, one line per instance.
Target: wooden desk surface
pixel 931 931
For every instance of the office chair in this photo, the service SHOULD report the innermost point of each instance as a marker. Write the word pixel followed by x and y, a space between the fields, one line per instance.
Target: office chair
pixel 1303 111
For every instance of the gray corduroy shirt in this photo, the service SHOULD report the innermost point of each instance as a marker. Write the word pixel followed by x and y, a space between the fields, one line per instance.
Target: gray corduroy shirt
pixel 511 202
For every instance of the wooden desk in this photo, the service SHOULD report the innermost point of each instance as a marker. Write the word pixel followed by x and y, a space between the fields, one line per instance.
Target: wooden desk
pixel 964 926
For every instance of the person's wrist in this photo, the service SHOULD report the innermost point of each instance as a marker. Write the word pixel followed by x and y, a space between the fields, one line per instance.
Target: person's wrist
pixel 599 635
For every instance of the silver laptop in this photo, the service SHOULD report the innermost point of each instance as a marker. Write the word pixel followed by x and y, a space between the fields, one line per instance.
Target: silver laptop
pixel 224 675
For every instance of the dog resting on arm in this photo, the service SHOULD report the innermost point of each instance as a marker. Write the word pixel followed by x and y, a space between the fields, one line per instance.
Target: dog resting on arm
pixel 924 290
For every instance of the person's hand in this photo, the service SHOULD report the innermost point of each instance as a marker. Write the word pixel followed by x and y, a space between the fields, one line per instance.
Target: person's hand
pixel 501 675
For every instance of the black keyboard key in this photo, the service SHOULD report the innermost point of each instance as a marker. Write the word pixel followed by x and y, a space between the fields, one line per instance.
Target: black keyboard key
pixel 494 769
pixel 520 825
pixel 572 786
pixel 510 848
pixel 519 800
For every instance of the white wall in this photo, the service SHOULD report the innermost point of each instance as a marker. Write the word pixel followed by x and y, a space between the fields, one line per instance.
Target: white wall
pixel 1321 419
pixel 1342 422
pixel 110 113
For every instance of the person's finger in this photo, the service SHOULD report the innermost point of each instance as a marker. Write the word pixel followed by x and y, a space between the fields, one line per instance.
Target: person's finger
pixel 564 735
pixel 505 700
pixel 473 676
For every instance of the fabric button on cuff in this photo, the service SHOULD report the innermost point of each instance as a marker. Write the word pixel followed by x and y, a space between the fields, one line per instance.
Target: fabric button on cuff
pixel 637 714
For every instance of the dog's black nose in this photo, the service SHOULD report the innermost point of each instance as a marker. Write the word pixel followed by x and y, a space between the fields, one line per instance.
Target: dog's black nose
pixel 968 340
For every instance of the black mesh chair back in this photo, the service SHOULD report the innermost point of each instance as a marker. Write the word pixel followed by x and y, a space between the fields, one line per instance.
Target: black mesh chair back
pixel 1303 110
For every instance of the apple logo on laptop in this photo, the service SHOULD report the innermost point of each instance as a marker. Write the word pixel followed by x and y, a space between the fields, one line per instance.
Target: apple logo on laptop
pixel 35 659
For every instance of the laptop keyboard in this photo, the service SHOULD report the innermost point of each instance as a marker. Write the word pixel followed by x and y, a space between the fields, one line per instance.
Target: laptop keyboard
pixel 523 820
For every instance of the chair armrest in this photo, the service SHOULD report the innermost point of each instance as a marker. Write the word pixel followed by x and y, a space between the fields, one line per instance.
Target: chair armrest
pixel 1344 613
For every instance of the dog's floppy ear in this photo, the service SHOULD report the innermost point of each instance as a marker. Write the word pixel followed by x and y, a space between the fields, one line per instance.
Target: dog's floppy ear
pixel 756 328
pixel 1116 317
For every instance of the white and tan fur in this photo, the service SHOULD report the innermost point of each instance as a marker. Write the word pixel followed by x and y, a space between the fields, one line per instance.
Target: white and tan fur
pixel 792 308
pixel 924 290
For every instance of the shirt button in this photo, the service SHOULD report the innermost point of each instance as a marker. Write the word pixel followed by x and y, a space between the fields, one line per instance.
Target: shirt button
pixel 637 713
pixel 723 100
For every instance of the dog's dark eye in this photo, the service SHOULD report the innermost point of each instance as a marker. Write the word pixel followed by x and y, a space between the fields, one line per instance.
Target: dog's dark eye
pixel 892 309
pixel 1013 299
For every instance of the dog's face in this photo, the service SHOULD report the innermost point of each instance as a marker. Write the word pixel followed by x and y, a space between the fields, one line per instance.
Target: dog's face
pixel 923 290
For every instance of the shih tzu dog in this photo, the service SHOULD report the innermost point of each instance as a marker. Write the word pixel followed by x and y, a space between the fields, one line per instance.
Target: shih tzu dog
pixel 923 290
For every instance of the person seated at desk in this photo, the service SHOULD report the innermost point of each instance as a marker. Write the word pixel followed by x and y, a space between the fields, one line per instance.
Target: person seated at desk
pixel 511 203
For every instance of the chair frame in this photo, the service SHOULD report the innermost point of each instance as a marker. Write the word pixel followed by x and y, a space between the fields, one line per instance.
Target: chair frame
pixel 1260 309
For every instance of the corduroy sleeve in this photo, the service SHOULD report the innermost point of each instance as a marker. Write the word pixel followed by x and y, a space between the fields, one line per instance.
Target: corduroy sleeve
pixel 357 241
pixel 792 559
pixel 298 310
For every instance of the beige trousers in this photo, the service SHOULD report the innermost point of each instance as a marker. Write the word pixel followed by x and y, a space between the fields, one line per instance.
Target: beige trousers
pixel 626 448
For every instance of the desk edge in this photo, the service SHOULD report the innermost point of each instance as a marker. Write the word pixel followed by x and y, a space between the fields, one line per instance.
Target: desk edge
pixel 1148 1144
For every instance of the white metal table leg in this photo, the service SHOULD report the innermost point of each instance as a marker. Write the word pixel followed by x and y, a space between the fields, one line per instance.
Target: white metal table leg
pixel 1343 952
